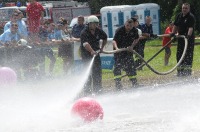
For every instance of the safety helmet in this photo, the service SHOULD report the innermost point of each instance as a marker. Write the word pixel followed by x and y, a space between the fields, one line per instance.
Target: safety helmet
pixel 92 18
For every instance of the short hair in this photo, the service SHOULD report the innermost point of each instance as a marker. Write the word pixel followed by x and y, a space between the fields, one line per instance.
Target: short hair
pixel 134 19
pixel 187 4
pixel 46 22
pixel 129 21
pixel 65 21
pixel 80 16
pixel 148 17
pixel 14 23
pixel 17 11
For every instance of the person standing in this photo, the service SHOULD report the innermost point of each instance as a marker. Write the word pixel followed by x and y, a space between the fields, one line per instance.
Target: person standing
pixel 34 14
pixel 77 28
pixel 147 32
pixel 184 25
pixel 13 19
pixel 46 50
pixel 90 43
pixel 125 36
pixel 165 41
pixel 65 49
pixel 22 27
pixel 9 39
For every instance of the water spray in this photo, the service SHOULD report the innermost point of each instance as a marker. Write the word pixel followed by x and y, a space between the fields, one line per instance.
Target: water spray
pixel 23 42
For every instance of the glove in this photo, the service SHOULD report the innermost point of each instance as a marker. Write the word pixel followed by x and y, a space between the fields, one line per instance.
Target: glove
pixel 188 36
pixel 172 35
pixel 153 35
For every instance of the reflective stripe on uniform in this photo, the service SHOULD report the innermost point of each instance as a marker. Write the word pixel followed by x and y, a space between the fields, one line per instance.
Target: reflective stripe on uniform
pixel 184 68
pixel 131 77
pixel 118 77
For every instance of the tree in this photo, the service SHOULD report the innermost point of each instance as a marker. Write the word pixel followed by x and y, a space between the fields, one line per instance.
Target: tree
pixel 168 8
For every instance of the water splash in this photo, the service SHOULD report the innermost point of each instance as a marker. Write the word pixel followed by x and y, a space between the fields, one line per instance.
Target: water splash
pixel 45 107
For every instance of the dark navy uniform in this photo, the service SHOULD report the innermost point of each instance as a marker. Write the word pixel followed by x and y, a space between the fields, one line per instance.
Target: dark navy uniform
pixel 184 23
pixel 124 60
pixel 140 47
pixel 95 78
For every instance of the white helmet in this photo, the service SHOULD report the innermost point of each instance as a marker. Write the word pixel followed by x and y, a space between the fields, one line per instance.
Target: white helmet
pixel 92 18
pixel 22 42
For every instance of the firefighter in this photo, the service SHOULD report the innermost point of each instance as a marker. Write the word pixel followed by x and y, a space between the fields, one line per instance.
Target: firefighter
pixel 184 25
pixel 90 43
pixel 125 36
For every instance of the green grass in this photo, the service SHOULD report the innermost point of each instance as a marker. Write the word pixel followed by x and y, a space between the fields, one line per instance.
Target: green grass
pixel 157 63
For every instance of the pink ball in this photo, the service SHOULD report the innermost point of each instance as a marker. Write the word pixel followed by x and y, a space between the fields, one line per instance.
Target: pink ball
pixel 7 76
pixel 87 109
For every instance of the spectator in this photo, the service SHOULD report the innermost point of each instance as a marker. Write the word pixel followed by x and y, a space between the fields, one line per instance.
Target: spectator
pixel 9 39
pixel 51 31
pixel 125 36
pixel 77 28
pixel 46 50
pixel 35 14
pixel 184 25
pixel 18 4
pixel 65 49
pixel 147 32
pixel 90 43
pixel 13 19
pixel 165 40
pixel 22 28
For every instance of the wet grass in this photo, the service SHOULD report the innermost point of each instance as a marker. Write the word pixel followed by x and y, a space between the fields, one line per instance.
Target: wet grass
pixel 146 76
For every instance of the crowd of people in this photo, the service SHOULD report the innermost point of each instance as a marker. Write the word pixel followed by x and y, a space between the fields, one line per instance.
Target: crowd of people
pixel 28 60
pixel 41 35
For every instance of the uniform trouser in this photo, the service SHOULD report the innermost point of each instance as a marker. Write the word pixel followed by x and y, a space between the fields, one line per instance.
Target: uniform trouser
pixel 2 56
pixel 30 64
pixel 19 58
pixel 42 52
pixel 185 68
pixel 124 61
pixel 140 50
pixel 94 82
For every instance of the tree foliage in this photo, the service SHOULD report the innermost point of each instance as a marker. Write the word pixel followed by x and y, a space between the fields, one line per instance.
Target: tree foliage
pixel 168 8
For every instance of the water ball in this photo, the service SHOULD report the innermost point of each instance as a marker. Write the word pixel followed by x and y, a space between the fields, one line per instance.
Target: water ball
pixel 87 109
pixel 7 76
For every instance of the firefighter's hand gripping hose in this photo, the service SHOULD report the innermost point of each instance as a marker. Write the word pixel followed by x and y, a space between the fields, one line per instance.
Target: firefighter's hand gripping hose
pixel 146 62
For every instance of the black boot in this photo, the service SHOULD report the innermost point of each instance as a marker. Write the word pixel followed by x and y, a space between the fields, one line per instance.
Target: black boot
pixel 179 73
pixel 139 63
pixel 118 84
pixel 134 82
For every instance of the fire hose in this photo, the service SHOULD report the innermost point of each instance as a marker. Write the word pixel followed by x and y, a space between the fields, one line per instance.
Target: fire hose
pixel 146 62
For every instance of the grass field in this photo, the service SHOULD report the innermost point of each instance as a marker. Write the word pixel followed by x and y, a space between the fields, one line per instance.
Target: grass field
pixel 146 76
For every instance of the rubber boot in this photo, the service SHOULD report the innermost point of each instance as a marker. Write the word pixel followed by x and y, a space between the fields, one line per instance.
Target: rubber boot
pixel 139 63
pixel 118 84
pixel 134 82
pixel 187 72
pixel 179 73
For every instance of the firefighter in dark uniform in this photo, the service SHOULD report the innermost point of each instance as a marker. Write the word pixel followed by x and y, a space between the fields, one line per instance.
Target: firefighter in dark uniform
pixel 147 32
pixel 90 44
pixel 184 25
pixel 125 36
